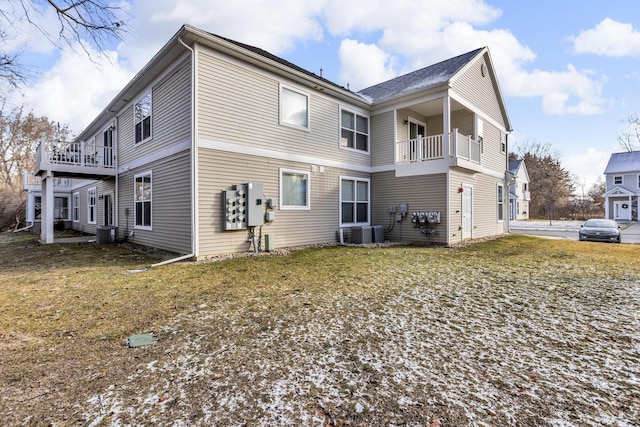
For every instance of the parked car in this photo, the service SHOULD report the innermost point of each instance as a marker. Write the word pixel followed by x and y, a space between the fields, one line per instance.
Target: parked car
pixel 600 230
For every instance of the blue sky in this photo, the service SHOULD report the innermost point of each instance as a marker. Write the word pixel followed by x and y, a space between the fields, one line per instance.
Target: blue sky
pixel 569 70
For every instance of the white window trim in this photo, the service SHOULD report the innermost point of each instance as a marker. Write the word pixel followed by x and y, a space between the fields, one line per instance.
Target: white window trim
pixel 142 227
pixel 95 207
pixel 355 178
pixel 621 179
pixel 281 121
pixel 284 207
pixel 357 113
pixel 498 203
pixel 75 205
pixel 144 94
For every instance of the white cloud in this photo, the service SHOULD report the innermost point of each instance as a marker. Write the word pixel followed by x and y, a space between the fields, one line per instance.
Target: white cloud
pixel 446 29
pixel 75 89
pixel 364 65
pixel 608 38
pixel 562 92
pixel 273 25
pixel 588 165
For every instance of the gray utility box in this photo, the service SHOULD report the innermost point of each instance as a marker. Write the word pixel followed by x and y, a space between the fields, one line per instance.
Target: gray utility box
pixel 106 234
pixel 361 234
pixel 378 234
pixel 255 208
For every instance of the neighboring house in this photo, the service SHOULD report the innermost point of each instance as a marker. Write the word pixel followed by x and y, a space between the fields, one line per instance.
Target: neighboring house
pixel 622 176
pixel 519 193
pixel 218 147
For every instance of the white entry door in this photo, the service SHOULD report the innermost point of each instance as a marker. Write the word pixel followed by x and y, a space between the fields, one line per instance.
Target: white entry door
pixel 622 210
pixel 467 211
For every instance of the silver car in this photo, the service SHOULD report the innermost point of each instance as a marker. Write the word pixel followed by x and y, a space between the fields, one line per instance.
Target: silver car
pixel 600 230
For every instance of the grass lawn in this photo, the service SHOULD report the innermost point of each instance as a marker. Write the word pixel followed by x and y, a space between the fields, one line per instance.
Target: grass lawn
pixel 519 331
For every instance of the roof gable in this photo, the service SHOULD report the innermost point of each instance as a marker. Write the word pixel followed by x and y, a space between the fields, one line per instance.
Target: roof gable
pixel 623 162
pixel 421 79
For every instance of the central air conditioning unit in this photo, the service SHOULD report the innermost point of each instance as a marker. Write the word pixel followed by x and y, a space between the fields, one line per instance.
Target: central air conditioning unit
pixel 106 234
pixel 361 234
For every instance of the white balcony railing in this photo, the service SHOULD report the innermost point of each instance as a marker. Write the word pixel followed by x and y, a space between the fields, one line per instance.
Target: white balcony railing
pixel 30 180
pixel 76 154
pixel 464 147
pixel 431 147
pixel 420 149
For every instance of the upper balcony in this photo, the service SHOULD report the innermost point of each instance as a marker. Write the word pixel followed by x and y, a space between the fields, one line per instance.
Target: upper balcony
pixel 430 154
pixel 76 159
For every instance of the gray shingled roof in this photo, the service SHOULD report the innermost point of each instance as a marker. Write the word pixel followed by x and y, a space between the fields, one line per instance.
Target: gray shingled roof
pixel 514 165
pixel 623 162
pixel 418 80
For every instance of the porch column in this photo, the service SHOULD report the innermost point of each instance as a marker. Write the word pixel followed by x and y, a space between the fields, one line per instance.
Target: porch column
pixel 46 215
pixel 630 209
pixel 446 124
pixel 606 208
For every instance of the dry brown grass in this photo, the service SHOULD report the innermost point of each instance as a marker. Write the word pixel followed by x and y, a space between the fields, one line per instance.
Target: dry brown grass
pixel 491 334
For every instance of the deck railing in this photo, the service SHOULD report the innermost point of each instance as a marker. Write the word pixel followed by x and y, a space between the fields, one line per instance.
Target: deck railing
pixel 76 154
pixel 464 147
pixel 420 149
pixel 30 180
pixel 425 148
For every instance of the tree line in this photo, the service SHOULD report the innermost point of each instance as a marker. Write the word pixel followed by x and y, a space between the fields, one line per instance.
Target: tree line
pixel 553 189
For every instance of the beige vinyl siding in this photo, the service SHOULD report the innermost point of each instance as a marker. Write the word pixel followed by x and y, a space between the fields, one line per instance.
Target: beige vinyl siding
pixel 170 207
pixel 219 170
pixel 422 193
pixel 382 139
pixel 492 158
pixel 102 188
pixel 463 121
pixel 170 117
pixel 240 105
pixel 481 91
pixel 485 219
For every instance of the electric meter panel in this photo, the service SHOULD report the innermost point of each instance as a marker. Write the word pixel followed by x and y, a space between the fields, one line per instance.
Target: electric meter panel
pixel 234 204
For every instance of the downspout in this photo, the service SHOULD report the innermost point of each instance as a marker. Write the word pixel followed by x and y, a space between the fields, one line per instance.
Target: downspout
pixel 24 228
pixel 194 175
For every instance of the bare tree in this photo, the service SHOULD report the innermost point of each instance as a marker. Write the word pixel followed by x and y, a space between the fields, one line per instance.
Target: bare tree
pixel 83 23
pixel 550 184
pixel 629 139
pixel 20 134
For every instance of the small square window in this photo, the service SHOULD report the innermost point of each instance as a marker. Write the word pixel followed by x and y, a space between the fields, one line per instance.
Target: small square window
pixel 617 180
pixel 294 108
pixel 294 190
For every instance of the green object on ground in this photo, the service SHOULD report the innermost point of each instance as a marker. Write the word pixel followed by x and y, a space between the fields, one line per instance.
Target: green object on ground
pixel 140 340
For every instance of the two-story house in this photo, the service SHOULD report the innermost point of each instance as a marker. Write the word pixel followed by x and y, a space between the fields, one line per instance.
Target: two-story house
pixel 519 193
pixel 216 146
pixel 622 179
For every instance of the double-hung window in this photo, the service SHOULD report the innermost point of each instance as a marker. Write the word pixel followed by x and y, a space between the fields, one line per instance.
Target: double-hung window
pixel 142 118
pixel 142 199
pixel 76 207
pixel 354 201
pixel 500 199
pixel 294 190
pixel 294 108
pixel 617 180
pixel 354 131
pixel 91 205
